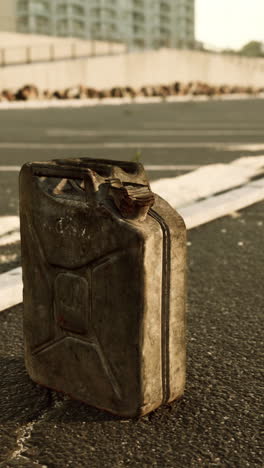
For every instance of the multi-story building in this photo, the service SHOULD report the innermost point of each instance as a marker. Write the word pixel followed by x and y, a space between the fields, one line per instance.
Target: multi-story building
pixel 137 23
pixel 7 15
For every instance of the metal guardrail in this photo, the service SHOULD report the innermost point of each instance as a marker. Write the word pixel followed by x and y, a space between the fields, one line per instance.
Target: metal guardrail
pixel 53 51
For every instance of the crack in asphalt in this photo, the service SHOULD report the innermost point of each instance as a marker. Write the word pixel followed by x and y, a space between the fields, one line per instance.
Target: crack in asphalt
pixel 24 434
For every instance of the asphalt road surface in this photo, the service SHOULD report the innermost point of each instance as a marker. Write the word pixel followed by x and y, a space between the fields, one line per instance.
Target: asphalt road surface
pixel 189 133
pixel 218 421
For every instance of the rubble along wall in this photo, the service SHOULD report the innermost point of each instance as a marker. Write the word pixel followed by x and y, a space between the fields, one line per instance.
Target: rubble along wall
pixel 138 69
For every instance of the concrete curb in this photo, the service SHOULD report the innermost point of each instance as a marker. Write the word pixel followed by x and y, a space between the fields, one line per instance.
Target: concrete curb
pixel 121 101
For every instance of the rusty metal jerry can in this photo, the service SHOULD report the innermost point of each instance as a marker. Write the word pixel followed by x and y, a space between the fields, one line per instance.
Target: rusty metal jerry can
pixel 103 263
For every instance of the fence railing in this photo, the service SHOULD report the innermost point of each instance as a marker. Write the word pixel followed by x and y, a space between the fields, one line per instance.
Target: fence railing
pixel 50 52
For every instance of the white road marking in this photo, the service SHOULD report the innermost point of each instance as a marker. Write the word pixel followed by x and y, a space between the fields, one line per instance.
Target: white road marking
pixel 171 167
pixel 10 238
pixel 8 224
pixel 215 207
pixel 204 124
pixel 179 191
pixel 245 147
pixel 11 288
pixel 10 168
pixel 69 133
pixel 8 258
pixel 219 146
pixel 208 180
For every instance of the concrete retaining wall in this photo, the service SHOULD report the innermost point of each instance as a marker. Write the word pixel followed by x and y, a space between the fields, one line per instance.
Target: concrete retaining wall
pixel 24 48
pixel 137 69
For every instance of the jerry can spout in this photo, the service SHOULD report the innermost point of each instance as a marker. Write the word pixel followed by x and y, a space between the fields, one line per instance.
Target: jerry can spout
pixel 132 200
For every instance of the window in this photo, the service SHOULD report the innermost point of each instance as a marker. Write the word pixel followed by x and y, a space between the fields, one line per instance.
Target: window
pixel 78 10
pixel 62 27
pixel 140 43
pixel 78 27
pixel 42 25
pixel 22 5
pixel 62 9
pixel 96 12
pixel 138 4
pixel 138 17
pixel 96 28
pixel 138 30
pixel 40 7
pixel 112 28
pixel 110 13
pixel 165 7
pixel 22 24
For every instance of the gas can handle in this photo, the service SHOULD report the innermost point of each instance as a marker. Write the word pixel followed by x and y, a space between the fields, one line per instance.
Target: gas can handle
pixel 70 173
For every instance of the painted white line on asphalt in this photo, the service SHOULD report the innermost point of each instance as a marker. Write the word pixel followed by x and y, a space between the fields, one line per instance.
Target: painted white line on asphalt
pixel 202 125
pixel 69 133
pixel 219 146
pixel 208 180
pixel 8 258
pixel 10 168
pixel 216 207
pixel 171 167
pixel 11 288
pixel 10 238
pixel 8 224
pixel 245 147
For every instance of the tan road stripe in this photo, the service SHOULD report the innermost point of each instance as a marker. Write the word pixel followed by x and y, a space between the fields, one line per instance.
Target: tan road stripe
pixel 219 146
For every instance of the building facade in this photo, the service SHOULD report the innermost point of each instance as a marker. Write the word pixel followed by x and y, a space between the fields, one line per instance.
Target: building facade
pixel 138 23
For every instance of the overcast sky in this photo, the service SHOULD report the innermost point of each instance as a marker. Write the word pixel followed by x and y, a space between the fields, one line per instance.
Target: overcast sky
pixel 229 23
